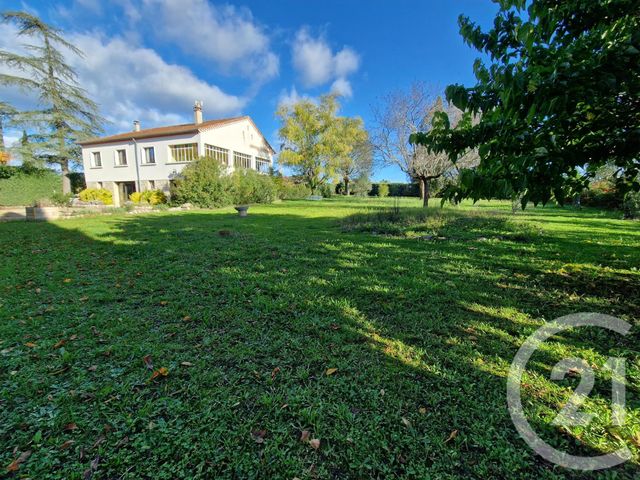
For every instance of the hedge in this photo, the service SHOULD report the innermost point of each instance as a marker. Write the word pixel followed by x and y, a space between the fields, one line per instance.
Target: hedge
pixel 397 189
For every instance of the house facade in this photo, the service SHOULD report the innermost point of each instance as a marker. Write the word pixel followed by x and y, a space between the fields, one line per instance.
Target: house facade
pixel 150 159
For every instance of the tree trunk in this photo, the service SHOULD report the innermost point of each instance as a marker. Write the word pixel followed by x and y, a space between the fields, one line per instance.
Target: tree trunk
pixel 66 182
pixel 424 191
pixel 346 186
pixel 1 136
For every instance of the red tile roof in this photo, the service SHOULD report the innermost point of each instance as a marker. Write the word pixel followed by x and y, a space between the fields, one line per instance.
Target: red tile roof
pixel 170 131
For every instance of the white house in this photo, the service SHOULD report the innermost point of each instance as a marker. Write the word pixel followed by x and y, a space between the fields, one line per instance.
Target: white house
pixel 149 159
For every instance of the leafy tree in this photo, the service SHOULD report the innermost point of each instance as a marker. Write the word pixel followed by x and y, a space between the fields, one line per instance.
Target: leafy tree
pixel 404 113
pixel 67 114
pixel 357 158
pixel 316 140
pixel 560 98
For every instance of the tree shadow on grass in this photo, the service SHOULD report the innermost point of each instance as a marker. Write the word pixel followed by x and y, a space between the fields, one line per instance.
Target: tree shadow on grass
pixel 261 312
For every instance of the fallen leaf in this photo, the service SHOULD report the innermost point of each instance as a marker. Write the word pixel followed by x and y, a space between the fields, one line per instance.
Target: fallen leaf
pixel 382 392
pixel 99 441
pixel 15 465
pixel 304 436
pixel 67 280
pixel 148 362
pixel 452 435
pixel 60 343
pixel 274 373
pixel 163 302
pixel 636 439
pixel 422 410
pixel 73 337
pixel 331 371
pixel 30 345
pixel 69 427
pixel 186 364
pixel 92 368
pixel 88 473
pixel 573 372
pixel 334 326
pixel 67 444
pixel 161 372
pixel 38 290
pixel 315 443
pixel 186 318
pixel 406 422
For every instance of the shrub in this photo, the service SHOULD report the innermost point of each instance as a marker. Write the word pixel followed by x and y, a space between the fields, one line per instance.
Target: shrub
pixel 603 194
pixel 60 199
pixel 398 189
pixel 136 197
pixel 203 183
pixel 290 190
pixel 361 187
pixel 327 190
pixel 248 186
pixel 631 205
pixel 77 181
pixel 383 190
pixel 96 195
pixel 154 197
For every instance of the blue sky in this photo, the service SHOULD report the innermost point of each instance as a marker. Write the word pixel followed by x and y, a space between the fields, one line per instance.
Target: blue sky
pixel 149 59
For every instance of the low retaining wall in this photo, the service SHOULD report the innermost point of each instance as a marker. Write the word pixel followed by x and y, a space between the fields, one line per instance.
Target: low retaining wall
pixel 54 213
pixel 12 213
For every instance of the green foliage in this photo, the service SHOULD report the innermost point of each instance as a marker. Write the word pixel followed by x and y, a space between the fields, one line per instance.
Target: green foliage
pixel 249 186
pixel 327 190
pixel 66 114
pixel 602 194
pixel 60 199
pixel 361 186
pixel 205 184
pixel 383 190
pixel 291 190
pixel 398 189
pixel 23 186
pixel 631 205
pixel 318 143
pixel 77 181
pixel 96 195
pixel 558 98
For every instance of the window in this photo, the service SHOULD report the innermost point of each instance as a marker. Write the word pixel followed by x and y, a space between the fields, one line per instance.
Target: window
pixel 99 185
pixel 149 156
pixel 186 152
pixel 217 153
pixel 97 160
pixel 262 164
pixel 152 184
pixel 121 158
pixel 241 160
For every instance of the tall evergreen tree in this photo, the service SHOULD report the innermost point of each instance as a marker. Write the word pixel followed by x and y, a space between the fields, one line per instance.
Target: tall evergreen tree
pixel 66 114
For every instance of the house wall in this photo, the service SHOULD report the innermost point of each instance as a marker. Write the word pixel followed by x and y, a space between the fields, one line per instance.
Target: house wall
pixel 241 137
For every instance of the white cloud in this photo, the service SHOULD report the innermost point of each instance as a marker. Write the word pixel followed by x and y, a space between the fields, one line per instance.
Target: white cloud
pixel 317 64
pixel 289 97
pixel 224 34
pixel 135 83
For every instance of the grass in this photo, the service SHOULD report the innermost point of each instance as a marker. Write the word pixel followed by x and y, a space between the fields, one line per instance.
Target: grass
pixel 26 189
pixel 421 316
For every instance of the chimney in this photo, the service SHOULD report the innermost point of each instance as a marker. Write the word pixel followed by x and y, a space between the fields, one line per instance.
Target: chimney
pixel 197 112
pixel 136 125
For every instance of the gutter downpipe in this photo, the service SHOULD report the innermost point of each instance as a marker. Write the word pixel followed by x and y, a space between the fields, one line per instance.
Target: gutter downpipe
pixel 135 145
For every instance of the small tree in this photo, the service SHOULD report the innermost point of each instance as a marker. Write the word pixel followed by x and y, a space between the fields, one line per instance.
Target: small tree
pixel 357 159
pixel 383 190
pixel 316 140
pixel 67 114
pixel 399 116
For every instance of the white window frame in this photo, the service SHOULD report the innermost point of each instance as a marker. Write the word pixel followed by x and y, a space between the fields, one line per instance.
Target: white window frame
pixel 151 184
pixel 183 152
pixel 217 153
pixel 118 161
pixel 145 156
pixel 94 156
pixel 241 160
pixel 265 164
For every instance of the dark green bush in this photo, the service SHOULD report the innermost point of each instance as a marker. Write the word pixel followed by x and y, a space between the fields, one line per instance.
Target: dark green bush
pixel 23 186
pixel 327 190
pixel 631 205
pixel 249 186
pixel 290 190
pixel 398 189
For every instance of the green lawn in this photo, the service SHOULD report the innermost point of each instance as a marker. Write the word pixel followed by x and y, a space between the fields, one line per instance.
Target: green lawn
pixel 420 318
